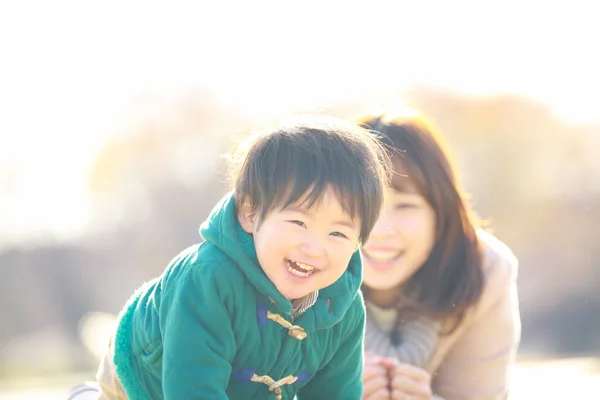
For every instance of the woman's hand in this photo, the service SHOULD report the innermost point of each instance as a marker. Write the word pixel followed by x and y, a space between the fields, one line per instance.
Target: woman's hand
pixel 407 381
pixel 376 381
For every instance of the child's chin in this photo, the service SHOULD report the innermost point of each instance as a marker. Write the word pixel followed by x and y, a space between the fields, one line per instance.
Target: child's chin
pixel 292 295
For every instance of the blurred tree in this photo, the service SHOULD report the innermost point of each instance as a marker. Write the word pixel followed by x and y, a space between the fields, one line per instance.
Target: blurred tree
pixel 534 176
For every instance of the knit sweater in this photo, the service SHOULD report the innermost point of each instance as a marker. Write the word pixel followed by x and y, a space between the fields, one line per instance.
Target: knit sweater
pixel 412 342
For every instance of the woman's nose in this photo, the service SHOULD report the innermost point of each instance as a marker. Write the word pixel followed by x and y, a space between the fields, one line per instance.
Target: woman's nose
pixel 384 226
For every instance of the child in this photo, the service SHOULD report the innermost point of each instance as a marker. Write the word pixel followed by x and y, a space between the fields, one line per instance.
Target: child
pixel 269 303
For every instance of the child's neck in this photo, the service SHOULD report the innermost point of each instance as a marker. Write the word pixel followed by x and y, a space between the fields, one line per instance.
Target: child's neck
pixel 296 302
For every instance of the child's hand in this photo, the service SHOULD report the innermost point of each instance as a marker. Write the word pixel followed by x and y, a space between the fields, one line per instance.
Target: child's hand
pixel 376 381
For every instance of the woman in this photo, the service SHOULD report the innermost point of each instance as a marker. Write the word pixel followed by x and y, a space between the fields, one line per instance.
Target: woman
pixel 430 273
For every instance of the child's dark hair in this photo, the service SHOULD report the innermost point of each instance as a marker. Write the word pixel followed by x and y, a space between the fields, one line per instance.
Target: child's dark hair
pixel 301 160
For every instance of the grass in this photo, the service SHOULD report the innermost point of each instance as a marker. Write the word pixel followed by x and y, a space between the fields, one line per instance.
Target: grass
pixel 551 379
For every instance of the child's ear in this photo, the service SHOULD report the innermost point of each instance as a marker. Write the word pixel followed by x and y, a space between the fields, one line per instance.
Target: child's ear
pixel 246 217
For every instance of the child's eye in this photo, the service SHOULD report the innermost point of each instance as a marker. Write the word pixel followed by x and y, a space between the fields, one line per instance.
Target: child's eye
pixel 339 234
pixel 299 223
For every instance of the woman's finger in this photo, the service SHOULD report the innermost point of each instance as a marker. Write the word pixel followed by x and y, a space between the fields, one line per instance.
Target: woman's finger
pixel 400 395
pixel 407 385
pixel 375 385
pixel 416 373
pixel 371 370
pixel 381 394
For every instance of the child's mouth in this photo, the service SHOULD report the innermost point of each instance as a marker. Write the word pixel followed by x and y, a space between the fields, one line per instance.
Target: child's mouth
pixel 299 269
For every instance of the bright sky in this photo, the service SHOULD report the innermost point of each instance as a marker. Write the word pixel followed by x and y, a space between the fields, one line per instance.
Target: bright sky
pixel 71 71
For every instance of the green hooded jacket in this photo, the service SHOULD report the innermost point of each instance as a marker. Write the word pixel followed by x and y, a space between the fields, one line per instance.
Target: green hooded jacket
pixel 213 326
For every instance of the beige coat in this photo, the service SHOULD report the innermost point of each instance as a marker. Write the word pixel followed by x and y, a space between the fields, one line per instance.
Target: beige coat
pixel 473 363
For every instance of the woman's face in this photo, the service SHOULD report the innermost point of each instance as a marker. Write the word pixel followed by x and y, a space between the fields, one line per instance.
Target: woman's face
pixel 401 240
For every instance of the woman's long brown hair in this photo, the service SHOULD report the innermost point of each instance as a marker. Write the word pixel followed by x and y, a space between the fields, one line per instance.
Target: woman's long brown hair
pixel 451 280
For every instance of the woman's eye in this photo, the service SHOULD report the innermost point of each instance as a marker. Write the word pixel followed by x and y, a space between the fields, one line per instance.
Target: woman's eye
pixel 404 206
pixel 338 234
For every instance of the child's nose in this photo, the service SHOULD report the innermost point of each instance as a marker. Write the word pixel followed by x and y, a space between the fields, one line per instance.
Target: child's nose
pixel 313 246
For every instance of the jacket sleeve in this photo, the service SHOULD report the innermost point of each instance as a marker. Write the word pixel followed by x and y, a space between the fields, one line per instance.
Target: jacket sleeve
pixel 341 377
pixel 478 365
pixel 198 340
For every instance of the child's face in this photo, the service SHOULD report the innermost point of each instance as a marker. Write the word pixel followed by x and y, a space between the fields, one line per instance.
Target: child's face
pixel 302 250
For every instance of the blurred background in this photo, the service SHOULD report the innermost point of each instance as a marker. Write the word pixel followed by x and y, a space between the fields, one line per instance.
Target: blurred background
pixel 114 117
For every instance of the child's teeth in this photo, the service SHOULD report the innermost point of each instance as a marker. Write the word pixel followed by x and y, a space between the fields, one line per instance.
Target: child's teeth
pixel 305 266
pixel 305 270
pixel 298 273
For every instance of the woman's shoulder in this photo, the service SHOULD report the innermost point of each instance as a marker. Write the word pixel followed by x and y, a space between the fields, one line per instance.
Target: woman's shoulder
pixel 498 258
pixel 500 268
